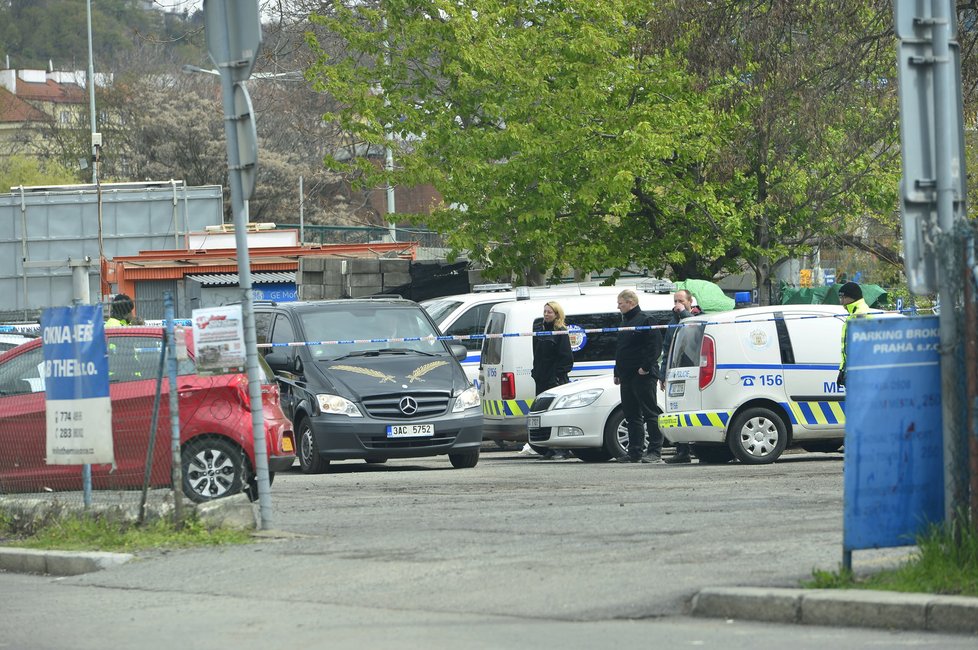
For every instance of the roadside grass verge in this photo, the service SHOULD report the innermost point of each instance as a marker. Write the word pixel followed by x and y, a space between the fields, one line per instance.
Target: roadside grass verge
pixel 78 532
pixel 946 562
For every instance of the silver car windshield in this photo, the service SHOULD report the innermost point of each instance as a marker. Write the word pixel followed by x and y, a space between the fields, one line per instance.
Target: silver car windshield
pixel 376 330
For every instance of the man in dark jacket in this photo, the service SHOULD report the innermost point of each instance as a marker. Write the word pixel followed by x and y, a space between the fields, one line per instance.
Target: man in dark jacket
pixel 636 372
pixel 682 309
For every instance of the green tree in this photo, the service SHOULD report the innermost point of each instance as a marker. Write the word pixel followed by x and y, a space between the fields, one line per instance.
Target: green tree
pixel 27 170
pixel 597 134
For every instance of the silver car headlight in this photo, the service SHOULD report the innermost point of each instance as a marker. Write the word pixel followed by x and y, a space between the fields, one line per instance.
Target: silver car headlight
pixel 577 400
pixel 336 405
pixel 467 399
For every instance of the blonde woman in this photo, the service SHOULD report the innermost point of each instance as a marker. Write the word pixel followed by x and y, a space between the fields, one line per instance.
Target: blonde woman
pixel 552 358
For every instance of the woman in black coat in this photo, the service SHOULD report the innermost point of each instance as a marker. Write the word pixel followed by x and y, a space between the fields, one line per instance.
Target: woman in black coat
pixel 552 356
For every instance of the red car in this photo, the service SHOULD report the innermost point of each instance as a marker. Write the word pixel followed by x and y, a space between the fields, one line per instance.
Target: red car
pixel 216 443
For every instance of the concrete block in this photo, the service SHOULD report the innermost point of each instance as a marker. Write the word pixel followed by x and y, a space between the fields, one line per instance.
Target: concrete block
pixel 394 265
pixel 333 277
pixel 309 277
pixel 366 280
pixel 331 292
pixel 333 264
pixel 858 608
pixel 953 614
pixel 749 603
pixel 58 563
pixel 310 264
pixel 396 279
pixel 311 291
pixel 363 265
pixel 360 292
pixel 235 511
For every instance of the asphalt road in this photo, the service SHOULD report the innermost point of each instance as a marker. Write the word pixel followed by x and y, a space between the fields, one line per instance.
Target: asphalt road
pixel 515 552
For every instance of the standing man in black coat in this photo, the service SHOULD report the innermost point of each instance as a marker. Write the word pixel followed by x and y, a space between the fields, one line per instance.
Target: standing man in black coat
pixel 636 373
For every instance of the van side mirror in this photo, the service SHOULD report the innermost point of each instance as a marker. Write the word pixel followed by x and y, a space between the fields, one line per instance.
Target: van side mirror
pixel 279 361
pixel 459 351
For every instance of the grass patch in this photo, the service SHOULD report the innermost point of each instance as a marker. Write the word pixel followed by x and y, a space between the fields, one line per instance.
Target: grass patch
pixel 946 562
pixel 87 533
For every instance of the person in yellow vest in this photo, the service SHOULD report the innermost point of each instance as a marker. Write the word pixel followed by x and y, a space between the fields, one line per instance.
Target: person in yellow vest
pixel 120 311
pixel 851 297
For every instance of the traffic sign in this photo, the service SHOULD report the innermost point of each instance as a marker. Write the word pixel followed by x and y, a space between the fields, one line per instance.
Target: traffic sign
pixel 244 116
pixel 232 29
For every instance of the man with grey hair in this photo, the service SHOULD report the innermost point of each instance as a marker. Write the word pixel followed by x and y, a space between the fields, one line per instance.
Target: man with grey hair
pixel 636 373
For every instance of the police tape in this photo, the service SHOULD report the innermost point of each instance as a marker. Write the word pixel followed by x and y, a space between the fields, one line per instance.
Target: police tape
pixel 548 333
pixel 34 328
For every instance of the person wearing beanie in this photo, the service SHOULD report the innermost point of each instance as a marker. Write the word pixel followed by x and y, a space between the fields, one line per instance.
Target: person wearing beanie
pixel 851 297
pixel 120 311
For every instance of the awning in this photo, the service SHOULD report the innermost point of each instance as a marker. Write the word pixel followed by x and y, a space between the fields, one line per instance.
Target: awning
pixel 231 279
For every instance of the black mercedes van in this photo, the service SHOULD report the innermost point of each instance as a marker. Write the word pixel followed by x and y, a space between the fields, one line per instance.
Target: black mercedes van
pixel 368 379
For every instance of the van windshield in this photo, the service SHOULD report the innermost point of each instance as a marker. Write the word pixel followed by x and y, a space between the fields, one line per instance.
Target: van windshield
pixel 373 327
pixel 439 309
pixel 686 346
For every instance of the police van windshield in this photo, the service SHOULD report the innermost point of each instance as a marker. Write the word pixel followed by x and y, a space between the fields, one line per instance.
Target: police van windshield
pixel 686 346
pixel 373 327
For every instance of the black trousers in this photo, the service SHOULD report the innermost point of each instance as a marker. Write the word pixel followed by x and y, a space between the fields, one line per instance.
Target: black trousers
pixel 641 414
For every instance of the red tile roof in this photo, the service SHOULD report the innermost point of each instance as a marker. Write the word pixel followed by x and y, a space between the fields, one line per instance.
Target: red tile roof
pixel 50 91
pixel 15 109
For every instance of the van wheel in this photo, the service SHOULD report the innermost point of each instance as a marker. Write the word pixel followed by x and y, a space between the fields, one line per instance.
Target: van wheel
pixel 616 434
pixel 757 437
pixel 464 460
pixel 310 460
pixel 592 454
pixel 712 454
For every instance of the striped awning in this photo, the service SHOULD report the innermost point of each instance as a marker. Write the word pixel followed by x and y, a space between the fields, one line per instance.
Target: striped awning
pixel 231 279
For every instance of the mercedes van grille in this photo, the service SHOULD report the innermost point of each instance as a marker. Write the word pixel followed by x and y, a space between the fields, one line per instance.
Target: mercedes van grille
pixel 377 442
pixel 412 406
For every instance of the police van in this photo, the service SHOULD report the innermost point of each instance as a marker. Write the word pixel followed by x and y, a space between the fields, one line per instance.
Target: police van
pixel 749 383
pixel 466 314
pixel 505 383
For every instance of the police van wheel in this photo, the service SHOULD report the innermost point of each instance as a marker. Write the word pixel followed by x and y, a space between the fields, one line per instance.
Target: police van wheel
pixel 757 437
pixel 616 434
pixel 310 460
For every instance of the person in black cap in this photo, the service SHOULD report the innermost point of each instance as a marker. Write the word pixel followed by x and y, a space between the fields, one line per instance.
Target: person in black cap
pixel 851 297
pixel 120 311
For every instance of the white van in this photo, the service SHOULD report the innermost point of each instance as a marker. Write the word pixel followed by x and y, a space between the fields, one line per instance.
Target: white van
pixel 747 384
pixel 505 383
pixel 466 314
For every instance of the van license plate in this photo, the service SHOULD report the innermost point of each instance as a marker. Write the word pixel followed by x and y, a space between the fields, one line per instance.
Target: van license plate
pixel 410 430
pixel 677 389
pixel 533 422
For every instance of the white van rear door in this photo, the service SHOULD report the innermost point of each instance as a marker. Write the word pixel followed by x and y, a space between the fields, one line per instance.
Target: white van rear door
pixel 682 391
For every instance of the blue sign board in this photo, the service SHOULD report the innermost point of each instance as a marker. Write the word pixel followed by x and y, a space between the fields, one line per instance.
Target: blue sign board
pixel 277 291
pixel 76 384
pixel 894 480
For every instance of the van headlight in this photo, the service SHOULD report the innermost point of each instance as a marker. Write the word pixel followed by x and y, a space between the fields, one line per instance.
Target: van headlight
pixel 577 400
pixel 336 405
pixel 467 399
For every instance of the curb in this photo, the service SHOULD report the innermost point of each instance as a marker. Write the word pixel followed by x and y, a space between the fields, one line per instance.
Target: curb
pixel 58 563
pixel 842 607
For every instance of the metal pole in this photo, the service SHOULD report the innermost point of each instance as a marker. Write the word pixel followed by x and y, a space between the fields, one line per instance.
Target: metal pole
pixel 91 95
pixel 950 272
pixel 81 296
pixel 302 220
pixel 171 371
pixel 239 211
pixel 389 152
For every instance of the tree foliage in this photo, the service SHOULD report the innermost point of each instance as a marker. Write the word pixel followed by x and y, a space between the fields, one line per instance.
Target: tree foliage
pixel 601 133
pixel 28 170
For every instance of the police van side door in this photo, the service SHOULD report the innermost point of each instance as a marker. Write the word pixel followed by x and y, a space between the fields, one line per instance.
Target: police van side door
pixel 811 352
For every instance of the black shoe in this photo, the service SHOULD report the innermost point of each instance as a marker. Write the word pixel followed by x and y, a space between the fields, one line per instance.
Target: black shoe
pixel 651 459
pixel 679 458
pixel 628 459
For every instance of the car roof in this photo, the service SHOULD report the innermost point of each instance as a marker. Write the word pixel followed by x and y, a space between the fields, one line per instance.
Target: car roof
pixel 313 305
pixel 767 311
